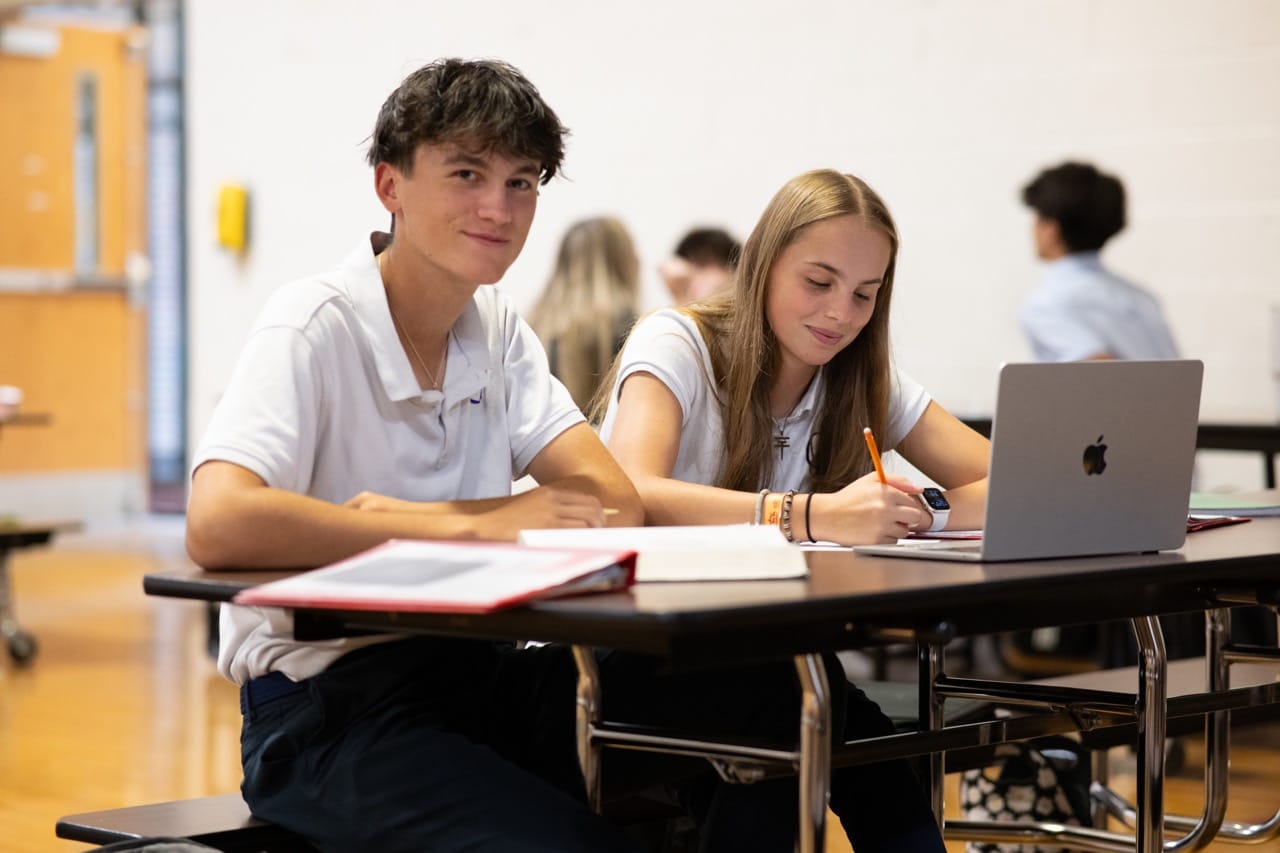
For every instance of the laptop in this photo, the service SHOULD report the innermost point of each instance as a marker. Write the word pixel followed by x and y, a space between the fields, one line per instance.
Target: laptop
pixel 1087 458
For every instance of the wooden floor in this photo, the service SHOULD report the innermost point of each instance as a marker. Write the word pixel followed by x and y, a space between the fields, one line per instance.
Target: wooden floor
pixel 123 706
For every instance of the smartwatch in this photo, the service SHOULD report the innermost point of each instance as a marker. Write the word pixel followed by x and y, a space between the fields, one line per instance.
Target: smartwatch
pixel 935 503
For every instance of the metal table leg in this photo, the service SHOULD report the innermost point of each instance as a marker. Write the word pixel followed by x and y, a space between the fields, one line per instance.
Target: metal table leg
pixel 815 751
pixel 589 710
pixel 813 760
pixel 21 645
pixel 1210 825
pixel 1149 833
pixel 931 664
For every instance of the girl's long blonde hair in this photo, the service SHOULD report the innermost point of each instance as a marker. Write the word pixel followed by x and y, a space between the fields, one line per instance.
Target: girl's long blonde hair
pixel 745 356
pixel 588 303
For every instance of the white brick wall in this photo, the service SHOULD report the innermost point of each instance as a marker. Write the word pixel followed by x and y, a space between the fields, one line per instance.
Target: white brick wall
pixel 697 111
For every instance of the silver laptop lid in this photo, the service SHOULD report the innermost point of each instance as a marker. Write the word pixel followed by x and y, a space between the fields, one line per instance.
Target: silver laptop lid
pixel 1091 458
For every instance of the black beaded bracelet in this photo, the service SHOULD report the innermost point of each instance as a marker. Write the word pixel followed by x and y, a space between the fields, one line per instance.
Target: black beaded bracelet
pixel 785 516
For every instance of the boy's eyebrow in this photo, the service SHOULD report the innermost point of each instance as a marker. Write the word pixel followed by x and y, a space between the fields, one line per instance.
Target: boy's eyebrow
pixel 462 158
pixel 836 272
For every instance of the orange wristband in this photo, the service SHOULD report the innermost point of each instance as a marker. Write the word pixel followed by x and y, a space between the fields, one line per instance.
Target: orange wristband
pixel 772 508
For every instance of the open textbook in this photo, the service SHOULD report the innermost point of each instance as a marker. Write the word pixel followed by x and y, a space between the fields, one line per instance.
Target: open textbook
pixel 692 553
pixel 452 577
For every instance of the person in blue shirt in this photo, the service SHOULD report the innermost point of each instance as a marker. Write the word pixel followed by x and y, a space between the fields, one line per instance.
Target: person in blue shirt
pixel 1081 310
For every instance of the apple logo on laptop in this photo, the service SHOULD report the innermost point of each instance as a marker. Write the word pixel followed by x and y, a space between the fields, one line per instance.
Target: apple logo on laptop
pixel 1095 458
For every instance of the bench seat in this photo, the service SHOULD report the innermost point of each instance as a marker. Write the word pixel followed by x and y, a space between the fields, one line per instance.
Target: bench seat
pixel 222 821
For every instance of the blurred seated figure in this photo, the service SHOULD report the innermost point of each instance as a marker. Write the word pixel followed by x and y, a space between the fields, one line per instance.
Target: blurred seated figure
pixel 1081 310
pixel 588 304
pixel 702 263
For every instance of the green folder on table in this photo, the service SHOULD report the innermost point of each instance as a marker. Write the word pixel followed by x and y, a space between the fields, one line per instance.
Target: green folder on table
pixel 1252 504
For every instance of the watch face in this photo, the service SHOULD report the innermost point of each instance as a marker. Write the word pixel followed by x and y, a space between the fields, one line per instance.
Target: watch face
pixel 934 498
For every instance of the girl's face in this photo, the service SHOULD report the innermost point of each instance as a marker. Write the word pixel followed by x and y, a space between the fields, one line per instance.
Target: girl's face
pixel 823 288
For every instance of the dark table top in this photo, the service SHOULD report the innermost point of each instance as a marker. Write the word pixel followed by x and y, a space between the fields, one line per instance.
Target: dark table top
pixel 1262 436
pixel 26 419
pixel 20 534
pixel 844 601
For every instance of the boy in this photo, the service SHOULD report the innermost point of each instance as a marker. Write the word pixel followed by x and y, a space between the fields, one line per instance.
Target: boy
pixel 1081 310
pixel 396 397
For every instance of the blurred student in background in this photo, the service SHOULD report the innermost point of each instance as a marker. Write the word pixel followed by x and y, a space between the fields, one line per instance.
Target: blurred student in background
pixel 588 304
pixel 702 263
pixel 1081 310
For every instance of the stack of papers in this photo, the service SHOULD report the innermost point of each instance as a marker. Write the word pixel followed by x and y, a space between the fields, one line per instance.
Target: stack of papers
pixel 718 552
pixel 1251 504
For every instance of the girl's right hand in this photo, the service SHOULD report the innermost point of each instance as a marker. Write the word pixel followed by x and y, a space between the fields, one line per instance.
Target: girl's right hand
pixel 867 512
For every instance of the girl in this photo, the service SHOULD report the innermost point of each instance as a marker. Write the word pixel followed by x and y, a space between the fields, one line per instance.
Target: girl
pixel 716 407
pixel 588 304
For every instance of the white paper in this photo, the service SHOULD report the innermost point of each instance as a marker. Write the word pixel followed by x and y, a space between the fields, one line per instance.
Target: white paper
pixel 689 553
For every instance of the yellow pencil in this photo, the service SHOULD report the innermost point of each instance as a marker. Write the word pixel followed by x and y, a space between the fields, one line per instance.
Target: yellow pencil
pixel 875 453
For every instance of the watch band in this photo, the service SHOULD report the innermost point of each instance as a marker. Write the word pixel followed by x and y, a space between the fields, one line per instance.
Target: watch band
pixel 938 514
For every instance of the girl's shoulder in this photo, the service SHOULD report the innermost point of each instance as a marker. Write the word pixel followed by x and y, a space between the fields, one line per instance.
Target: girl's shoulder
pixel 669 337
pixel 667 321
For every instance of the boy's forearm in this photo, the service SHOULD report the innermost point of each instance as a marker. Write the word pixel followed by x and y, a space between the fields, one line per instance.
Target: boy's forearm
pixel 273 528
pixel 614 494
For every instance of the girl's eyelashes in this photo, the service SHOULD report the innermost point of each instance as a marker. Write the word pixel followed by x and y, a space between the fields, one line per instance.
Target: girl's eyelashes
pixel 814 283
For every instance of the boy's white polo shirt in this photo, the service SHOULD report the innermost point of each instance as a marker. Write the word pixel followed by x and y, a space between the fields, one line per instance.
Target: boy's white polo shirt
pixel 323 402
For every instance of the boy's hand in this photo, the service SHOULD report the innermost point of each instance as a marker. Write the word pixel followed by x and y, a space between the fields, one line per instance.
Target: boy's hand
pixel 545 506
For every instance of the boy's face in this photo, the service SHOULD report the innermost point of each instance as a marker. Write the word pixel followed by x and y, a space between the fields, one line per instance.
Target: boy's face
pixel 465 213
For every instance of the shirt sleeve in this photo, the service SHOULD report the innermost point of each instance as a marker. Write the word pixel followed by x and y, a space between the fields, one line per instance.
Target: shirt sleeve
pixel 666 344
pixel 907 401
pixel 269 416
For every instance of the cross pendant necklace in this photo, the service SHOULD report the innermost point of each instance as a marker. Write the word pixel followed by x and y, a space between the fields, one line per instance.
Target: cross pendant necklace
pixel 782 441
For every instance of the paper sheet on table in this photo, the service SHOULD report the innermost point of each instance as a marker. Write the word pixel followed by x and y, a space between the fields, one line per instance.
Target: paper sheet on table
pixel 689 553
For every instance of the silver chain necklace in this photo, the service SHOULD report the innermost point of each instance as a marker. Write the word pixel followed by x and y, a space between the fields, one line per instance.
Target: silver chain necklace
pixel 444 353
